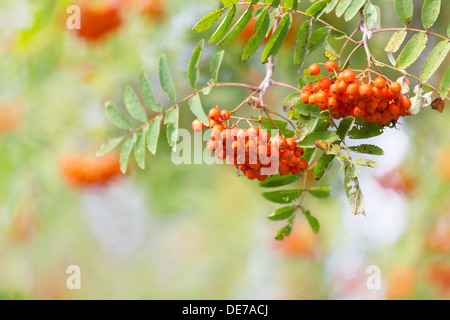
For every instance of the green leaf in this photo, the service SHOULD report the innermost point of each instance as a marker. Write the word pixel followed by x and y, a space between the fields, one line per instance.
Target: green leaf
pixel 396 41
pixel 416 100
pixel 313 222
pixel 291 100
pixel 229 3
pixel 117 117
pixel 430 12
pixel 283 196
pixel 345 126
pixel 338 34
pixel 370 15
pixel 404 9
pixel 330 6
pixel 261 28
pixel 412 50
pixel 307 109
pixel 286 230
pixel 367 131
pixel 353 9
pixel 147 93
pixel 267 124
pixel 302 44
pixel 290 4
pixel 238 26
pixel 194 64
pixel 133 105
pixel 275 3
pixel 208 20
pixel 278 181
pixel 277 39
pixel 355 198
pixel 318 38
pixel 445 83
pixel 282 213
pixel 139 148
pixel 165 79
pixel 364 162
pixel 216 62
pixel 342 6
pixel 435 59
pixel 304 125
pixel 368 148
pixel 195 105
pixel 320 192
pixel 171 122
pixel 316 7
pixel 125 152
pixel 310 140
pixel 322 165
pixel 154 128
pixel 224 26
pixel 109 146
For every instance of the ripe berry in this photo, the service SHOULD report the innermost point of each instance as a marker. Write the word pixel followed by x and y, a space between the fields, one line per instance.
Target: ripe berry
pixel 321 96
pixel 353 89
pixel 349 76
pixel 331 66
pixel 365 91
pixel 324 83
pixel 225 115
pixel 197 125
pixel 379 82
pixel 251 174
pixel 302 165
pixel 299 152
pixel 312 99
pixel 214 113
pixel 304 97
pixel 253 131
pixel 212 145
pixel 314 69
pixel 395 87
pixel 291 143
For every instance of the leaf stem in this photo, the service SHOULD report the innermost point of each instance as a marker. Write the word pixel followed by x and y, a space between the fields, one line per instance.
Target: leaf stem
pixel 410 29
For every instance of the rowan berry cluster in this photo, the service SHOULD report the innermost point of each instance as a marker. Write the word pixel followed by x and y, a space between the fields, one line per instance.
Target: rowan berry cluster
pixel 344 94
pixel 252 151
pixel 81 171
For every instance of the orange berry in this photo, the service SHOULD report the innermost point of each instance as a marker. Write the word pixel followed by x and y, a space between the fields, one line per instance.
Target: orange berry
pixel 299 152
pixel 333 103
pixel 395 87
pixel 321 96
pixel 291 143
pixel 342 85
pixel 253 131
pixel 314 69
pixel 372 105
pixel 312 99
pixel 286 154
pixel 353 89
pixel 379 82
pixel 214 113
pixel 307 87
pixel 197 125
pixel 359 112
pixel 340 76
pixel 365 91
pixel 302 165
pixel 331 66
pixel 251 174
pixel 225 115
pixel 304 97
pixel 279 142
pixel 393 109
pixel 212 145
pixel 292 161
pixel 406 104
pixel 334 89
pixel 349 76
pixel 382 105
pixel 283 168
pixel 322 105
pixel 324 83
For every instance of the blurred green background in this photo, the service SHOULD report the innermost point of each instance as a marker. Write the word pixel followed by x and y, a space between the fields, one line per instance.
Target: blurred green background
pixel 196 231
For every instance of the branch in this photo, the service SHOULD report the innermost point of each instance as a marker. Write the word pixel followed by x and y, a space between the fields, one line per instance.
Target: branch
pixel 410 29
